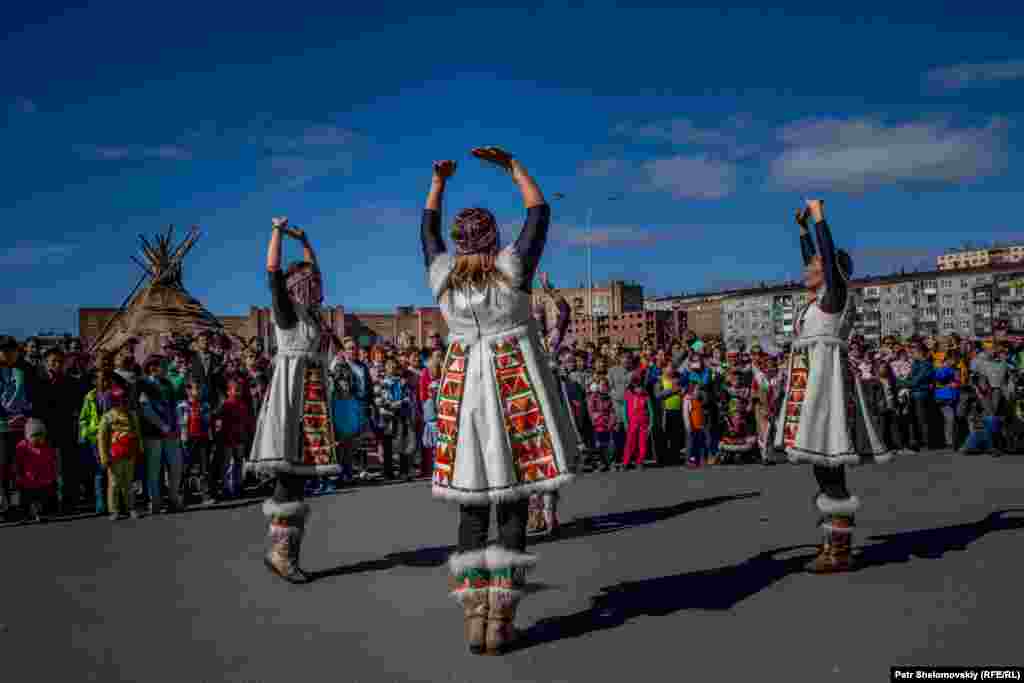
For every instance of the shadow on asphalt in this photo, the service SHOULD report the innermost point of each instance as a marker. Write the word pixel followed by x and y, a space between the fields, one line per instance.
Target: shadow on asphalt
pixel 580 528
pixel 934 543
pixel 725 587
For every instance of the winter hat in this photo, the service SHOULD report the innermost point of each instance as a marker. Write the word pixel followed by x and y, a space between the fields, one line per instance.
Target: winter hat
pixel 34 427
pixel 697 346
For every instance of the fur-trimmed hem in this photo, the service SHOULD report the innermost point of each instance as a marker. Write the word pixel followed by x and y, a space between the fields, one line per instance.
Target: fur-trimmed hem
pixel 461 562
pixel 491 558
pixel 828 528
pixel 294 510
pixel 832 506
pixel 737 448
pixel 505 495
pixel 503 558
pixel 285 467
pixel 798 456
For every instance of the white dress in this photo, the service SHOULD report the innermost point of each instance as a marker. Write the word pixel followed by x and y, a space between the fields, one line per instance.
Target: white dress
pixel 278 444
pixel 824 408
pixel 503 432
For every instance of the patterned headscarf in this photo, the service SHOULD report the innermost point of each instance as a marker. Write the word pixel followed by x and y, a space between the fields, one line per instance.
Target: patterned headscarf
pixel 306 286
pixel 475 232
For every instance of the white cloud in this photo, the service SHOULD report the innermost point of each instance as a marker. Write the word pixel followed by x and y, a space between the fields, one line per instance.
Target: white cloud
pixel 314 152
pixel 694 177
pixel 860 154
pixel 733 139
pixel 961 76
pixel 296 170
pixel 134 153
pixel 601 168
pixel 35 254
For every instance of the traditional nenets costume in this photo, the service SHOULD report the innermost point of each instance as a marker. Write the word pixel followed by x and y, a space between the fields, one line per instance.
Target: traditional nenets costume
pixel 294 434
pixel 824 415
pixel 503 432
pixel 766 392
pixel 543 514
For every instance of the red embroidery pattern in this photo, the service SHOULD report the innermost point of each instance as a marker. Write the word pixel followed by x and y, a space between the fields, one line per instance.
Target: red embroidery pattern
pixel 449 402
pixel 316 427
pixel 524 420
pixel 799 368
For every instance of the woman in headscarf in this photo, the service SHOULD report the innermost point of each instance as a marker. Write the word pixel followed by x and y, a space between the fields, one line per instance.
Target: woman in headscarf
pixel 294 435
pixel 503 432
pixel 824 415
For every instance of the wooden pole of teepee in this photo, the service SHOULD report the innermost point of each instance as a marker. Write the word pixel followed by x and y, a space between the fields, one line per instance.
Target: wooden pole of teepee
pixel 110 322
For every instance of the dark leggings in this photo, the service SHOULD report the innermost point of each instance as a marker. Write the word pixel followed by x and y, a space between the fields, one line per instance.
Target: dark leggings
pixel 475 520
pixel 289 488
pixel 832 481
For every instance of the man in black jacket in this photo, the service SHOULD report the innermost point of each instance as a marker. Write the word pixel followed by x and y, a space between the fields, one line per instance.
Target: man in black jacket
pixel 54 404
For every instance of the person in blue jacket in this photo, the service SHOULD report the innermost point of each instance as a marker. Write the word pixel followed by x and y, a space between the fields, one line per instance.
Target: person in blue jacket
pixel 920 385
pixel 947 395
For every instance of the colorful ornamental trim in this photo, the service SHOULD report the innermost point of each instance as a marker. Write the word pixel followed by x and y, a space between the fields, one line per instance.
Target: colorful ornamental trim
pixel 799 367
pixel 317 439
pixel 449 404
pixel 524 420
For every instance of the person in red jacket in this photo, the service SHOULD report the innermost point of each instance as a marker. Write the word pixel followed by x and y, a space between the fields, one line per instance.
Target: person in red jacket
pixel 235 425
pixel 35 469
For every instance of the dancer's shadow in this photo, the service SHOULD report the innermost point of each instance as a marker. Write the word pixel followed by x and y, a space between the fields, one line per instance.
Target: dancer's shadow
pixel 586 526
pixel 619 521
pixel 934 543
pixel 725 587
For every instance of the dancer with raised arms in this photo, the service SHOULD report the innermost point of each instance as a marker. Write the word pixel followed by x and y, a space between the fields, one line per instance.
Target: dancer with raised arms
pixel 503 432
pixel 294 435
pixel 824 419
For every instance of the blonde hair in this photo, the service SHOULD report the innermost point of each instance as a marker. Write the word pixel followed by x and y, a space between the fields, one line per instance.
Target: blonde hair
pixel 474 271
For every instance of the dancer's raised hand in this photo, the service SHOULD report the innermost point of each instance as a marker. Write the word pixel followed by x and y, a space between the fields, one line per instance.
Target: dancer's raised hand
pixel 443 170
pixel 494 155
pixel 801 218
pixel 279 223
pixel 816 208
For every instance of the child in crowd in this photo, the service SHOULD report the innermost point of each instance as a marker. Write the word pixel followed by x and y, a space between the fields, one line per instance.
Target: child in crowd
pixel 430 383
pixel 640 411
pixel 119 443
pixel 36 470
pixel 604 420
pixel 979 437
pixel 394 403
pixel 94 406
pixel 696 424
pixel 235 425
pixel 194 421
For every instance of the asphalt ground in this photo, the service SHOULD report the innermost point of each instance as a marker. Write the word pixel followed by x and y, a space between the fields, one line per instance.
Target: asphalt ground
pixel 661 575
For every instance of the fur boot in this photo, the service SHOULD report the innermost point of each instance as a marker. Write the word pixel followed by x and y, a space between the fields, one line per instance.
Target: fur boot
pixel 470 582
pixel 837 525
pixel 284 539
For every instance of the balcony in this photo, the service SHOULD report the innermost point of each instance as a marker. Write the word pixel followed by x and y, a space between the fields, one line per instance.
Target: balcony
pixel 871 296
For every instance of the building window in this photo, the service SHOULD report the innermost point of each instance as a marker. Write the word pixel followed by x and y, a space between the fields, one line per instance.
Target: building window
pixel 965 324
pixel 965 283
pixel 947 284
pixel 948 325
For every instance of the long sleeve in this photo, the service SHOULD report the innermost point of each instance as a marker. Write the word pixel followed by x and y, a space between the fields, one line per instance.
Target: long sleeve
pixel 150 414
pixel 103 440
pixel 561 325
pixel 134 419
pixel 530 243
pixel 430 236
pixel 835 286
pixel 284 309
pixel 806 246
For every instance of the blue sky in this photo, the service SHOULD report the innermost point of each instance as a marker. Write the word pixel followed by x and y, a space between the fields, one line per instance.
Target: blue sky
pixel 711 124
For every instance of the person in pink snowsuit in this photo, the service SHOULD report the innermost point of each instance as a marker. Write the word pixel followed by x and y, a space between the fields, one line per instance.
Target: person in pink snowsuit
pixel 640 413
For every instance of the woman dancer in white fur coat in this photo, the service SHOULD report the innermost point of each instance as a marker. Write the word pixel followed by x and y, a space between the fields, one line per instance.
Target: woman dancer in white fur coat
pixel 824 419
pixel 503 433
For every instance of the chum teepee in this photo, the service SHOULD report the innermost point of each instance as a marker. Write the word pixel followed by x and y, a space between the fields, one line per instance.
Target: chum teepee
pixel 163 306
